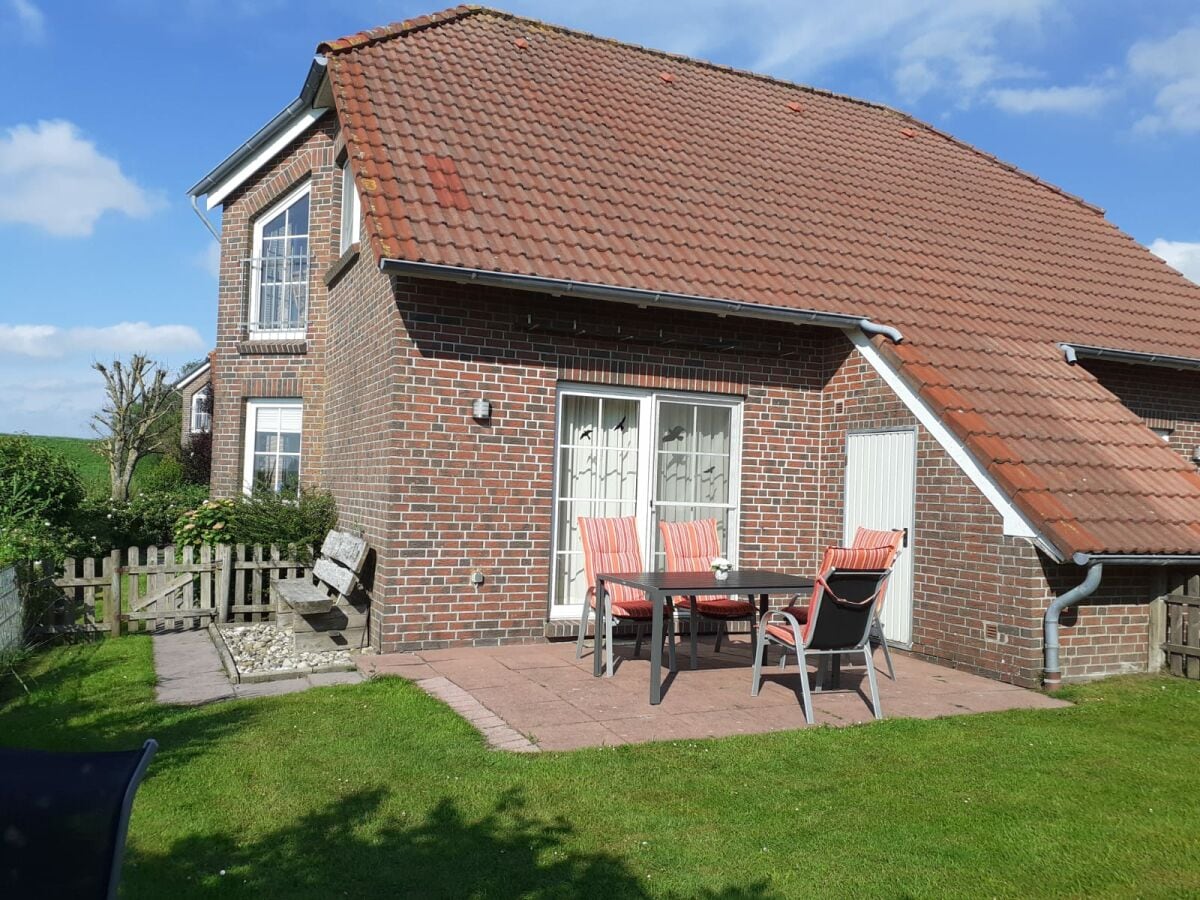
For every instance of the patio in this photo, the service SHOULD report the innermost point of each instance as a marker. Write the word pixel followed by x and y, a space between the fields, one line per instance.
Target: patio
pixel 540 692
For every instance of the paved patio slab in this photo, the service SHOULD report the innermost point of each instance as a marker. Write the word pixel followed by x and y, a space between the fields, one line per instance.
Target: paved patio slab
pixel 540 692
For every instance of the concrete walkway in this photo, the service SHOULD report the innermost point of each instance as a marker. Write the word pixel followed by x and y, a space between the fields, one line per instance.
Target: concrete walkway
pixel 189 673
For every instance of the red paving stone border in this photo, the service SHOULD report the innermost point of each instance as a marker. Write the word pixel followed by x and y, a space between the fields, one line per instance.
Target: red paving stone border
pixel 533 697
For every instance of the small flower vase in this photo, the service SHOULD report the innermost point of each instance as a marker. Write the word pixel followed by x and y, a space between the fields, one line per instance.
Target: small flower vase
pixel 721 574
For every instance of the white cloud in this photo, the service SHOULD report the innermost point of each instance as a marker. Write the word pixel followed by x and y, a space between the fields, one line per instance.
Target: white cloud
pixel 49 341
pixel 54 179
pixel 923 45
pixel 1172 65
pixel 1183 256
pixel 1076 99
pixel 29 19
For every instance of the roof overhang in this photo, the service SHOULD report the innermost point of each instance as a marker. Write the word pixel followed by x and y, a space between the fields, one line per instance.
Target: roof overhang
pixel 1075 352
pixel 197 373
pixel 1137 559
pixel 288 124
pixel 638 296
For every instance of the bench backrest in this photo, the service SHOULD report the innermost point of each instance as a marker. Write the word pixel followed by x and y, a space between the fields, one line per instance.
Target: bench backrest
pixel 341 561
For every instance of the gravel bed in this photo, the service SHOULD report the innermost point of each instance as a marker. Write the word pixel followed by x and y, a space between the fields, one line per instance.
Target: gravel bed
pixel 264 648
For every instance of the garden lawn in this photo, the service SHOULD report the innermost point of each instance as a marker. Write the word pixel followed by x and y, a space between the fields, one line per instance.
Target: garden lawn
pixel 377 790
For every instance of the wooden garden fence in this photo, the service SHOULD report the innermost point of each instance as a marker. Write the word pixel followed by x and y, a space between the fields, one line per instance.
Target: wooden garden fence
pixel 1182 644
pixel 166 589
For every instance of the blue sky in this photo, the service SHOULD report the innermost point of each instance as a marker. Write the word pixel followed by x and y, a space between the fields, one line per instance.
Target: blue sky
pixel 113 109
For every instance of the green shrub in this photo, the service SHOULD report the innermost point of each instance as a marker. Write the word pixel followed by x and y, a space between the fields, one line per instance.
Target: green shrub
pixel 298 522
pixel 166 476
pixel 27 539
pixel 147 518
pixel 36 481
pixel 196 458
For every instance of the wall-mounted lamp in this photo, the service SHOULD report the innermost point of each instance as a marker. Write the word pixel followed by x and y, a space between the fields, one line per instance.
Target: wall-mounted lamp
pixel 481 410
pixel 1196 455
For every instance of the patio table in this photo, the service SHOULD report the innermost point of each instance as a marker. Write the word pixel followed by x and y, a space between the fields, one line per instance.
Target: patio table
pixel 660 587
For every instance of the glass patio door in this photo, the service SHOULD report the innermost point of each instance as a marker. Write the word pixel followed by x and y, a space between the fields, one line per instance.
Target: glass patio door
pixel 638 453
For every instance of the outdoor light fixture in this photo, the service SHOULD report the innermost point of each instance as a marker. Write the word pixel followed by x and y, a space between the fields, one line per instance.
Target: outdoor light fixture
pixel 1196 455
pixel 481 410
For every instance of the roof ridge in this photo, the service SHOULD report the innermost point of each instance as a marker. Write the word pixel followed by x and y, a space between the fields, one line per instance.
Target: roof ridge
pixel 410 26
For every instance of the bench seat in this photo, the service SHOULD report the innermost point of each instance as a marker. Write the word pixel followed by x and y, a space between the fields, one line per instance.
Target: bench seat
pixel 303 596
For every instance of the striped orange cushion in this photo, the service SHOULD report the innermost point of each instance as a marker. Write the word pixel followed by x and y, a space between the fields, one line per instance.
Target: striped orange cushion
pixel 611 546
pixel 870 537
pixel 691 547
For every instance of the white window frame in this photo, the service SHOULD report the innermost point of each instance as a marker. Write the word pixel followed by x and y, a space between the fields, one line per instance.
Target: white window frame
pixel 351 212
pixel 648 417
pixel 277 334
pixel 252 410
pixel 197 399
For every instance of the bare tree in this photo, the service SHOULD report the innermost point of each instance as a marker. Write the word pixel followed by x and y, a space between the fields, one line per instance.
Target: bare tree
pixel 130 423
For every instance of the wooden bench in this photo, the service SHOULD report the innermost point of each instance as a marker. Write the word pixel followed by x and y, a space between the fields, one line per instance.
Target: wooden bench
pixel 331 614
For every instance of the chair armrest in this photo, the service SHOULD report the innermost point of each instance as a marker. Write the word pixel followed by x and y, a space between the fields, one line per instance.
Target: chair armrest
pixel 785 618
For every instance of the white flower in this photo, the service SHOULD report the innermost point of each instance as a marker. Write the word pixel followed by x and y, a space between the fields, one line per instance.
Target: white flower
pixel 721 564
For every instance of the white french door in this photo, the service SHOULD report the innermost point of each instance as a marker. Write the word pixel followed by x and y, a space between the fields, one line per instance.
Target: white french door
pixel 653 455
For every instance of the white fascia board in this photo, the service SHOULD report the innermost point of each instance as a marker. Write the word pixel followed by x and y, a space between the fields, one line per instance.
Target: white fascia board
pixel 193 375
pixel 1015 522
pixel 220 191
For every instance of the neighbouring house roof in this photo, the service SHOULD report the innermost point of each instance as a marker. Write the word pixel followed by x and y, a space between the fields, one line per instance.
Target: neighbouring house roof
pixel 483 140
pixel 201 371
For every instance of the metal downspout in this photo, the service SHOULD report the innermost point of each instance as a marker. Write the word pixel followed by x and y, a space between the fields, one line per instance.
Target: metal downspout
pixel 1052 677
pixel 203 218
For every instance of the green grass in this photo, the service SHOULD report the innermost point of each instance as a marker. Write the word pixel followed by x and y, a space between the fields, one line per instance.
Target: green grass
pixel 377 790
pixel 90 465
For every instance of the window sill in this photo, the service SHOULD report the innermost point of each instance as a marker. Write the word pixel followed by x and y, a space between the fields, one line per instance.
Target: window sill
pixel 344 262
pixel 278 347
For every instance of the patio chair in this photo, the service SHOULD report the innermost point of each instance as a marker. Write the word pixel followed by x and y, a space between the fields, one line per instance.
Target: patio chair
pixel 612 545
pixel 837 622
pixel 691 547
pixel 63 820
pixel 894 540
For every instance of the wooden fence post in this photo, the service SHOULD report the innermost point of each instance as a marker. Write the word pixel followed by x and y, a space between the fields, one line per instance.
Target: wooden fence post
pixel 1156 656
pixel 224 577
pixel 113 607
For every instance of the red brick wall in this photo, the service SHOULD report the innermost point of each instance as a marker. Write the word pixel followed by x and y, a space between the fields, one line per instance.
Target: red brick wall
pixel 243 369
pixel 479 496
pixel 979 596
pixel 185 401
pixel 1164 398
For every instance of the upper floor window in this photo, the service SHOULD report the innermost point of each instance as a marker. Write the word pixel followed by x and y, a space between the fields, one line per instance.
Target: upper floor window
pixel 279 269
pixel 351 210
pixel 201 418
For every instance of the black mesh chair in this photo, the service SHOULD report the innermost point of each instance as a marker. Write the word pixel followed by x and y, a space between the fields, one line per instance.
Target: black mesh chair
pixel 63 821
pixel 838 623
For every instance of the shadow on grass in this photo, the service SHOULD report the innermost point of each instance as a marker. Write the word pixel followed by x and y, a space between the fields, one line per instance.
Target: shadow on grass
pixel 355 847
pixel 88 700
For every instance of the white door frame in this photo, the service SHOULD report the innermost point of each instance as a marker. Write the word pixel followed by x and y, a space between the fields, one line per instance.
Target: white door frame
pixel 910 541
pixel 649 400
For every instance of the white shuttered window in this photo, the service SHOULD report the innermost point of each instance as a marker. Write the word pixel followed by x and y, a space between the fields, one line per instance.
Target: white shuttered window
pixel 272 458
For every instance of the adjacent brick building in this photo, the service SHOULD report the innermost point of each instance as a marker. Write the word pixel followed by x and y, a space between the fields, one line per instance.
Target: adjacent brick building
pixel 541 295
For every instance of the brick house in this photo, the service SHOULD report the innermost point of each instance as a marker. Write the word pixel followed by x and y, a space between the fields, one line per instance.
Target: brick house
pixel 485 275
pixel 195 399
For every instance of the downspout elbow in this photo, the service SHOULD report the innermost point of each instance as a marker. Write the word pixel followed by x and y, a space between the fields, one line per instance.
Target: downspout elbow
pixel 203 218
pixel 1053 672
pixel 869 328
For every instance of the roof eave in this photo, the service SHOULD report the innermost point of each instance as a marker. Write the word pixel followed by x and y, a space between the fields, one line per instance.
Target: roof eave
pixel 1074 352
pixel 638 296
pixel 261 138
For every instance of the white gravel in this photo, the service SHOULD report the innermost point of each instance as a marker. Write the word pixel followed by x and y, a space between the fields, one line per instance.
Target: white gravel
pixel 264 648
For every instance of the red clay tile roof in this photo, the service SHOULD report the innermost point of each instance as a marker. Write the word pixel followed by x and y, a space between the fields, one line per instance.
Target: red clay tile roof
pixel 484 140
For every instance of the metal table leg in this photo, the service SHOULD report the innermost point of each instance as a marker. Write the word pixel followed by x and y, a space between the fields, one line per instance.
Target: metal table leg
pixel 656 642
pixel 598 643
pixel 693 621
pixel 764 606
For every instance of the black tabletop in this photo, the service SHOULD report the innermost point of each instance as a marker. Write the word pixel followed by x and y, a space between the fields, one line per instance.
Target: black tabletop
pixel 740 581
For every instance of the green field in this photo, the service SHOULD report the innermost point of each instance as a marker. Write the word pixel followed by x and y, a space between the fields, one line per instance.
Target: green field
pixel 92 468
pixel 378 790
